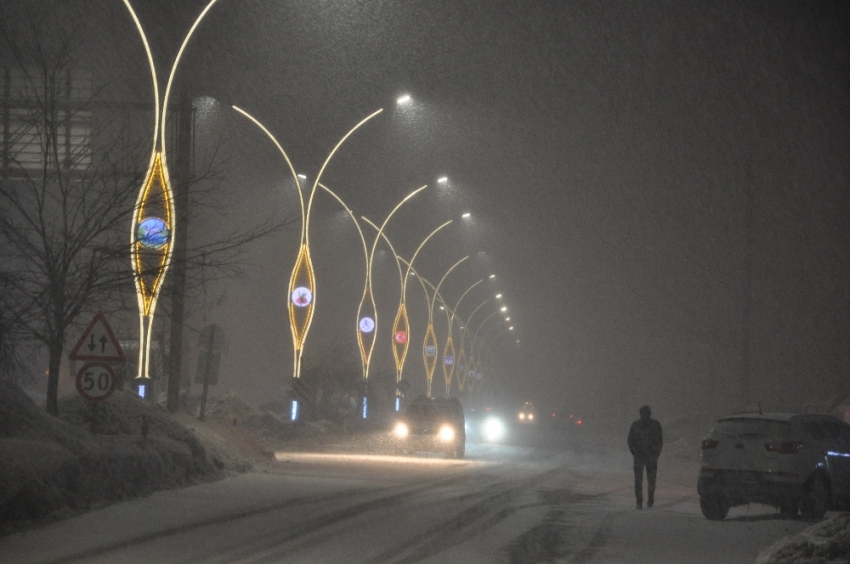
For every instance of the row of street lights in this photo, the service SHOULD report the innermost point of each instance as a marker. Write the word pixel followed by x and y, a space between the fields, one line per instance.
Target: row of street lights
pixel 152 245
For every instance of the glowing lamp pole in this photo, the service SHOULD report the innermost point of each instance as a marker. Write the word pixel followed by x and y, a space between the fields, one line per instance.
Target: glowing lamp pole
pixel 302 283
pixel 401 326
pixel 449 351
pixel 429 347
pixel 153 226
pixel 462 365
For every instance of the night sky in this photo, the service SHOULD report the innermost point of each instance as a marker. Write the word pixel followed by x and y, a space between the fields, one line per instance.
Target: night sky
pixel 630 167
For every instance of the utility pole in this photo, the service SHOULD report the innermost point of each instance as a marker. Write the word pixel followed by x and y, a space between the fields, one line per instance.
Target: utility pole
pixel 182 182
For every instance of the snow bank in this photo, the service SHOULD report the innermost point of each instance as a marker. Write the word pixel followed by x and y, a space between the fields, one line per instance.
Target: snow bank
pixel 825 542
pixel 90 456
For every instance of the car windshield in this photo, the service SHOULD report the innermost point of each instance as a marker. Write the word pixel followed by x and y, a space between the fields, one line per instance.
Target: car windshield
pixel 426 411
pixel 754 427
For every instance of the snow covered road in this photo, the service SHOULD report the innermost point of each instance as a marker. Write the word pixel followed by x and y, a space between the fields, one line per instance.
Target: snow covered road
pixel 554 499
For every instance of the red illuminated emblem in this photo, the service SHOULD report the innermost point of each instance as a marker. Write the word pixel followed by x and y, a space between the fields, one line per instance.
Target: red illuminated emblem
pixel 302 296
pixel 400 337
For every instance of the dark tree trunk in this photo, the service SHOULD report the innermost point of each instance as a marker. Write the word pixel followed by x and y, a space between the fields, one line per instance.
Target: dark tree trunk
pixel 53 365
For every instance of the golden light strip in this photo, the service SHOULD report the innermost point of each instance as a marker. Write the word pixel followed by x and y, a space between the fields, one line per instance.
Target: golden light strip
pixel 365 356
pixel 157 171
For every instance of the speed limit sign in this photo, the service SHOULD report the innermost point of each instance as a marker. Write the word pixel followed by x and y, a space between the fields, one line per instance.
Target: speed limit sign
pixel 96 381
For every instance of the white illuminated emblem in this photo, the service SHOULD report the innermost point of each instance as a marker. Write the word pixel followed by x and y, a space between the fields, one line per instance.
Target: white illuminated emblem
pixel 302 296
pixel 449 360
pixel 430 350
pixel 367 324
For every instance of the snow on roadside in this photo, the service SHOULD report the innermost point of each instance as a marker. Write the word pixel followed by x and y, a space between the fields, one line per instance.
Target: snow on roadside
pixel 822 543
pixel 90 456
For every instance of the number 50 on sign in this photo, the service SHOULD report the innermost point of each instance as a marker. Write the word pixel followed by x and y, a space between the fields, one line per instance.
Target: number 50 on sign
pixel 96 381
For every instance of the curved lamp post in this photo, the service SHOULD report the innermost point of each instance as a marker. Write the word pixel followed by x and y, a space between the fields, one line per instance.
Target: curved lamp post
pixel 401 327
pixel 449 350
pixel 153 226
pixel 429 347
pixel 367 311
pixel 302 286
pixel 463 373
pixel 429 299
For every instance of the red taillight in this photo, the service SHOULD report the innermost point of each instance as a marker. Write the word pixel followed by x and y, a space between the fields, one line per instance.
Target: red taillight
pixel 784 447
pixel 709 444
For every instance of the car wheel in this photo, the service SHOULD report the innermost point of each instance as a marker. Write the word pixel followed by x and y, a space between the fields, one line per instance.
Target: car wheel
pixel 714 505
pixel 815 499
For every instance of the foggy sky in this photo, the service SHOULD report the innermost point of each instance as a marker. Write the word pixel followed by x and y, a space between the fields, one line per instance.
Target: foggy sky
pixel 605 150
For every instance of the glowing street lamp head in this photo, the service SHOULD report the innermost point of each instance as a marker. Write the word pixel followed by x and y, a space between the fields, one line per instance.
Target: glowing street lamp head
pixel 504 308
pixel 467 215
pixel 443 179
pixel 498 296
pixel 302 176
pixel 404 99
pixel 492 276
pixel 510 328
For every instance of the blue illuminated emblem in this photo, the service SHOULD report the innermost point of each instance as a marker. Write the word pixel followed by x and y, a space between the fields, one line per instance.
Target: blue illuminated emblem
pixel 153 233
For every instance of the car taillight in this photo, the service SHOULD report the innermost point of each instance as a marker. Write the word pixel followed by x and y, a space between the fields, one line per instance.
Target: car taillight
pixel 784 447
pixel 709 444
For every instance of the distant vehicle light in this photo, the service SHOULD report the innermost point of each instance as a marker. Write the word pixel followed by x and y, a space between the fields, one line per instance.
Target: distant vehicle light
pixel 522 415
pixel 447 434
pixel 578 422
pixel 530 416
pixel 494 429
pixel 401 430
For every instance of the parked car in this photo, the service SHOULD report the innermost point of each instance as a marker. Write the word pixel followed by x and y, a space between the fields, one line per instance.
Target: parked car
pixel 793 462
pixel 432 424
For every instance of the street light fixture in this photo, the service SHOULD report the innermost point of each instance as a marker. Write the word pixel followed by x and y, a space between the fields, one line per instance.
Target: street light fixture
pixel 301 290
pixel 443 179
pixel 466 215
pixel 404 99
pixel 153 226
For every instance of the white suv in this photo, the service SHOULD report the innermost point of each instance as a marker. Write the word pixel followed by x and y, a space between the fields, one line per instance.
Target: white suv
pixel 789 461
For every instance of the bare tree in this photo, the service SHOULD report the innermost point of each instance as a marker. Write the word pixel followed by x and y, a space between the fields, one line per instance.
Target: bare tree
pixel 70 170
pixel 66 204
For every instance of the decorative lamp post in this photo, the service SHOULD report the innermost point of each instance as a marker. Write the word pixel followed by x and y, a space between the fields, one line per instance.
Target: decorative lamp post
pixel 302 285
pixel 153 225
pixel 401 327
pixel 449 350
pixel 429 347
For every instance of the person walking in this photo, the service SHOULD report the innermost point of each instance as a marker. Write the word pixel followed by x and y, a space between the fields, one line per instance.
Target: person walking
pixel 645 442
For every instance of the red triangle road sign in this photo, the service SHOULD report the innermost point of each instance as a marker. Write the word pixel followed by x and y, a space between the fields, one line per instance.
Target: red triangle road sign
pixel 98 342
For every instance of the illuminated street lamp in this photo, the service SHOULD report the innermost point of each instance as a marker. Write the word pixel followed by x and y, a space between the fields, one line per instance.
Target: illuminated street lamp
pixel 153 225
pixel 401 327
pixel 367 319
pixel 461 359
pixel 302 289
pixel 449 351
pixel 429 347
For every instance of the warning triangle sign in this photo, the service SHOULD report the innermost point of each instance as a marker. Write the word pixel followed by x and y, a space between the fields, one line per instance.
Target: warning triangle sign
pixel 98 342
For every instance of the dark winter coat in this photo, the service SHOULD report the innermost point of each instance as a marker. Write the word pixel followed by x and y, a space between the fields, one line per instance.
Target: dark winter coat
pixel 645 438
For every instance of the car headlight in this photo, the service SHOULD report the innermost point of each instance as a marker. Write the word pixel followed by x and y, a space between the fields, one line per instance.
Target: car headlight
pixel 494 429
pixel 447 434
pixel 522 415
pixel 401 430
pixel 530 416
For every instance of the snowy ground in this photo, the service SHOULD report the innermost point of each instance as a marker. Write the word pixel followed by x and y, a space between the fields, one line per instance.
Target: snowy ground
pixel 318 494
